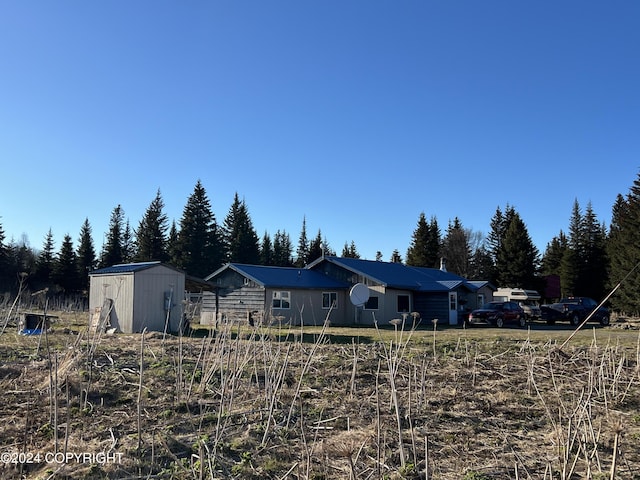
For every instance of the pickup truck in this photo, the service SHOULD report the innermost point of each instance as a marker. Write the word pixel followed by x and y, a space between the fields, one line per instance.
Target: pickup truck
pixel 575 310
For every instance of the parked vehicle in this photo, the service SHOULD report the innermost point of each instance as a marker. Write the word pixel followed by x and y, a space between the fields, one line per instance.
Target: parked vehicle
pixel 575 310
pixel 527 299
pixel 497 314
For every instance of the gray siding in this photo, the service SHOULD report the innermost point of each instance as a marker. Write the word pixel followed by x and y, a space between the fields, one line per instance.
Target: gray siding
pixel 139 298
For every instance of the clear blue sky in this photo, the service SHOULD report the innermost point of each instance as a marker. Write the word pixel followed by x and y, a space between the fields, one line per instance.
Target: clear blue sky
pixel 355 115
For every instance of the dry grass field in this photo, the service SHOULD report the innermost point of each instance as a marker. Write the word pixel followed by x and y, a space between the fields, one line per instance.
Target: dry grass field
pixel 322 403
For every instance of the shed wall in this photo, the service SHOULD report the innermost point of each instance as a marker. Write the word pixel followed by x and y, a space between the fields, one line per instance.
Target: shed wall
pixel 119 288
pixel 156 288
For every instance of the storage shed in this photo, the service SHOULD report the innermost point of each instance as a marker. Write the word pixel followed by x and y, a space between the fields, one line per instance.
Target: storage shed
pixel 136 296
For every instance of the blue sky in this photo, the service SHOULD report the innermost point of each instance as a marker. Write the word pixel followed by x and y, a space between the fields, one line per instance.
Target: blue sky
pixel 356 115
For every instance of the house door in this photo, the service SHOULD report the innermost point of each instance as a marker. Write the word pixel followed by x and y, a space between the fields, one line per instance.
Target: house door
pixel 453 308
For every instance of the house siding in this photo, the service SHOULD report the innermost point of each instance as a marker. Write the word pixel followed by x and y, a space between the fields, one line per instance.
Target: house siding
pixel 431 306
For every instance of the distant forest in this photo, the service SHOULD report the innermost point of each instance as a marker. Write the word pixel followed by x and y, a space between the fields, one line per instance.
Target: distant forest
pixel 588 259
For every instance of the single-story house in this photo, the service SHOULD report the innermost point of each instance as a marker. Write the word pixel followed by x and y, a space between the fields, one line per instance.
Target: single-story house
pixel 289 295
pixel 133 296
pixel 307 295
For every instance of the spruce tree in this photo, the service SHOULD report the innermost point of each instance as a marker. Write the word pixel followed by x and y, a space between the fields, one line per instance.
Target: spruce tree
pixel 86 255
pixel 5 279
pixel 172 245
pixel 112 250
pixel 350 251
pixel 594 279
pixel 456 248
pixel 552 258
pixel 266 250
pixel 316 248
pixel 302 252
pixel 624 251
pixel 242 244
pixel 480 265
pixel 282 249
pixel 395 256
pixel 200 244
pixel 517 257
pixel 44 263
pixel 424 250
pixel 65 271
pixel 572 265
pixel 151 234
pixel 128 244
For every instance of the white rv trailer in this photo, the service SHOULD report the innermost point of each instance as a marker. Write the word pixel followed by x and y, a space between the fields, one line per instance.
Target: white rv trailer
pixel 527 299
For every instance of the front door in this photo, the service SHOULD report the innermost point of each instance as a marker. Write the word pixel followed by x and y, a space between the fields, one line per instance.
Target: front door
pixel 453 308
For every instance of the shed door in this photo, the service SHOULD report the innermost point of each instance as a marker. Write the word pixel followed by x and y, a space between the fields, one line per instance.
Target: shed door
pixel 453 308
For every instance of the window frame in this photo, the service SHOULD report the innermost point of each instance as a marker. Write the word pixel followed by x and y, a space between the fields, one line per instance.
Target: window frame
pixel 398 297
pixel 281 296
pixel 332 298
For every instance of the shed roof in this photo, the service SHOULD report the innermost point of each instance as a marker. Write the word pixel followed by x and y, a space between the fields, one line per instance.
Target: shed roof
pixel 128 268
pixel 283 277
pixel 400 276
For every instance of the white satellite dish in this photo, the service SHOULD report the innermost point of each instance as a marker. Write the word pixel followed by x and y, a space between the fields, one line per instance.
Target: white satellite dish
pixel 359 294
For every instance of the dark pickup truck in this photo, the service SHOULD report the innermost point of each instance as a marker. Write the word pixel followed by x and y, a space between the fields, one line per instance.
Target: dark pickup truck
pixel 575 310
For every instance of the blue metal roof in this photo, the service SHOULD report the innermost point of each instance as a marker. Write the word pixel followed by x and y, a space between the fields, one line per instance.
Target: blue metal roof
pixel 400 276
pixel 281 277
pixel 125 268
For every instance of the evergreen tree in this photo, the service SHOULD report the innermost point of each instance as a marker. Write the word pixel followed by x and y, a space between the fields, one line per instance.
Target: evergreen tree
pixel 128 244
pixel 5 279
pixel 594 279
pixel 552 258
pixel 572 265
pixel 151 241
pixel 316 248
pixel 350 250
pixel 379 256
pixel 86 255
pixel 623 246
pixel 112 253
pixel 517 257
pixel 424 250
pixel 23 260
pixel 395 256
pixel 44 263
pixel 65 272
pixel 241 240
pixel 282 250
pixel 498 229
pixel 266 250
pixel 481 265
pixel 328 251
pixel 200 243
pixel 456 249
pixel 172 245
pixel 302 252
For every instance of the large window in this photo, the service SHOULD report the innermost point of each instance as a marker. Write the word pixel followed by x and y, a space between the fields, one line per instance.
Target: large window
pixel 281 300
pixel 403 303
pixel 372 304
pixel 329 299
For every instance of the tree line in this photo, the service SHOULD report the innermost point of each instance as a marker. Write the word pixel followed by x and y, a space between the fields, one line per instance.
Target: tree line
pixel 587 260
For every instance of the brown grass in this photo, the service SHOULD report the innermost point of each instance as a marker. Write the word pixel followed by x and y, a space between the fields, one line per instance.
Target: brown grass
pixel 323 403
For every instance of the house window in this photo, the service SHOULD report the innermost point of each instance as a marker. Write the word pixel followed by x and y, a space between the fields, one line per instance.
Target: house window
pixel 281 300
pixel 372 304
pixel 481 299
pixel 329 299
pixel 403 303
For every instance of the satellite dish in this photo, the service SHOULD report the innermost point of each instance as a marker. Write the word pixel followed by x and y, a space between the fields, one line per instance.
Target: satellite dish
pixel 359 294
